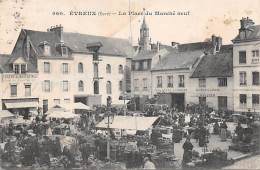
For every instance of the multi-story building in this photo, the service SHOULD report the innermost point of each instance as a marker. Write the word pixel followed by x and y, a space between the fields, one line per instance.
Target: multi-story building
pixel 246 67
pixel 146 56
pixel 171 75
pixel 212 79
pixel 56 67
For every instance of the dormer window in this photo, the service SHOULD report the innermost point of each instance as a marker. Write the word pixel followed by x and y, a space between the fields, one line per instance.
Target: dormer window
pixel 23 68
pixel 19 68
pixel 64 51
pixel 46 48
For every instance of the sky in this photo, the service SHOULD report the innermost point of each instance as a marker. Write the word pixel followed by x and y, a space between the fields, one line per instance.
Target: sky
pixel 206 17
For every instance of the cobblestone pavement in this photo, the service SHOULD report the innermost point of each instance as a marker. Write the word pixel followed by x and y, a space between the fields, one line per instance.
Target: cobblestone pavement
pixel 248 163
pixel 214 143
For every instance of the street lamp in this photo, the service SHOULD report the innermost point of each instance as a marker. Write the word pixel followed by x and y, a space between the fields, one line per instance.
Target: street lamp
pixel 109 101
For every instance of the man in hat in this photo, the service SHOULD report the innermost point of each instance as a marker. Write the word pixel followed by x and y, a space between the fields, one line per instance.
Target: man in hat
pixel 187 154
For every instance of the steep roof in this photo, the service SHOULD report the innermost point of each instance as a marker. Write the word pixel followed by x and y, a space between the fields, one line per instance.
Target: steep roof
pixel 178 60
pixel 144 55
pixel 78 43
pixel 195 46
pixel 110 46
pixel 218 65
pixel 253 34
pixel 3 60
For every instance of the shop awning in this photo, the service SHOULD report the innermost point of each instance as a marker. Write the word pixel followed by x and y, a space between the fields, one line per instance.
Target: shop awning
pixel 5 114
pixel 16 105
pixel 128 122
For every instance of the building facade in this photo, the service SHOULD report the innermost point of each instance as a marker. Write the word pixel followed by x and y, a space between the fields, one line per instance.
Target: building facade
pixel 59 68
pixel 246 67
pixel 171 75
pixel 212 79
pixel 146 56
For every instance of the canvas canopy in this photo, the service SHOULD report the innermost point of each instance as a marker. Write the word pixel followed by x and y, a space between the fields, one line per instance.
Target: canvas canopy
pixel 21 105
pixel 60 115
pixel 128 122
pixel 81 106
pixel 5 114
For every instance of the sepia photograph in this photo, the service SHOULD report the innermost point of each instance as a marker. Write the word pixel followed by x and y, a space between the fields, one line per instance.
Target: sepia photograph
pixel 129 84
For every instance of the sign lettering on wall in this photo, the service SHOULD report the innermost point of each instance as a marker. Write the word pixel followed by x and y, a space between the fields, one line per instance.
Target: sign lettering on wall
pixel 10 77
pixel 201 90
pixel 169 90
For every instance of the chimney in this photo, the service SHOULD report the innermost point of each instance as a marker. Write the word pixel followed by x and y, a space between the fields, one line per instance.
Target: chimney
pixel 218 43
pixel 245 24
pixel 58 30
pixel 214 43
pixel 174 44
pixel 158 46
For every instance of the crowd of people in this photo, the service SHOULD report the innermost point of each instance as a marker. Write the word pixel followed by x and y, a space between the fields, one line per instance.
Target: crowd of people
pixel 76 143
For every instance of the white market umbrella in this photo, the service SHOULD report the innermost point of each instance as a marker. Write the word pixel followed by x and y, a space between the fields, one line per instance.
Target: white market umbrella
pixel 81 106
pixel 60 115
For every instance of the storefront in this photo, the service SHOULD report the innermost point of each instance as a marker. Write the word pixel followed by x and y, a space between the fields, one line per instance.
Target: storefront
pixel 23 107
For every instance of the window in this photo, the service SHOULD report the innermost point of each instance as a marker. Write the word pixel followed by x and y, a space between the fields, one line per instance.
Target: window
pixel 255 53
pixel 23 68
pixel 136 65
pixel 80 68
pixel 47 86
pixel 81 85
pixel 136 84
pixel 242 99
pixel 120 69
pixel 145 65
pixel 222 82
pixel 170 81
pixel 66 100
pixel 95 70
pixel 181 81
pixel 65 85
pixel 13 90
pixel 47 67
pixel 47 50
pixel 255 99
pixel 27 89
pixel 222 102
pixel 159 81
pixel 56 101
pixel 64 51
pixel 108 68
pixel 242 57
pixel 109 87
pixel 16 68
pixel 96 87
pixel 65 68
pixel 120 85
pixel 255 77
pixel 202 100
pixel 202 82
pixel 242 76
pixel 145 84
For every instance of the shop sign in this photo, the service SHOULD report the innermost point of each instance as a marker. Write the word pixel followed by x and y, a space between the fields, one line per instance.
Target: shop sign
pixel 10 77
pixel 207 95
pixel 170 90
pixel 201 90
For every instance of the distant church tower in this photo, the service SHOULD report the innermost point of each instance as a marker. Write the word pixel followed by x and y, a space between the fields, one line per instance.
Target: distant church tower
pixel 144 41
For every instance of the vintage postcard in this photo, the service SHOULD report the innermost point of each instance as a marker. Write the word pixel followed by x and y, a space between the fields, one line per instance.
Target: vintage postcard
pixel 129 84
